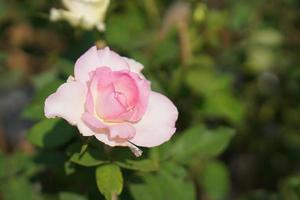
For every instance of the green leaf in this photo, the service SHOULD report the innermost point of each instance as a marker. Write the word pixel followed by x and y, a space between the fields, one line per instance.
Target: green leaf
pixel 200 142
pixel 168 50
pixel 86 156
pixel 109 180
pixel 266 37
pixel 290 188
pixel 169 183
pixel 17 188
pixel 15 184
pixel 209 81
pixel 215 180
pixel 116 25
pixel 19 163
pixel 3 9
pixel 34 111
pixel 145 165
pixel 225 105
pixel 2 161
pixel 124 158
pixel 70 196
pixel 52 159
pixel 50 133
pixel 46 89
pixel 66 67
pixel 69 168
pixel 44 79
pixel 217 93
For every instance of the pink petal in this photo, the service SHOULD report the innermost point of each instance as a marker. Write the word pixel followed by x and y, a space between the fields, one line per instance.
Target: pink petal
pixel 108 107
pixel 86 63
pixel 92 121
pixel 67 102
pixel 121 131
pixel 112 60
pixel 125 85
pixel 87 131
pixel 99 80
pixel 158 124
pixel 93 58
pixel 144 91
pixel 101 136
pixel 104 138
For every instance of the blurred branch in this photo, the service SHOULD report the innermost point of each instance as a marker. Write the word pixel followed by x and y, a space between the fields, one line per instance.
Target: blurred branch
pixel 184 42
pixel 114 196
pixel 178 16
pixel 152 11
pixel 3 144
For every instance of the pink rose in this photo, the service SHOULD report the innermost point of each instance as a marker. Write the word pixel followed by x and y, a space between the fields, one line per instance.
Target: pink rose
pixel 110 99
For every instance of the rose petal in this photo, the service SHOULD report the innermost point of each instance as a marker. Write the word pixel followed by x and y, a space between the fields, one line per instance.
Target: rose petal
pixel 144 91
pixel 93 58
pixel 67 102
pixel 86 63
pixel 126 86
pixel 158 124
pixel 92 121
pixel 108 107
pixel 102 136
pixel 112 60
pixel 121 131
pixel 134 66
pixel 89 11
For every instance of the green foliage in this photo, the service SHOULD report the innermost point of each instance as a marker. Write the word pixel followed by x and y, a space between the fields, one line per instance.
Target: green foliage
pixel 109 180
pixel 215 180
pixel 70 196
pixel 144 165
pixel 201 143
pixel 116 25
pixel 2 160
pixel 261 53
pixel 290 188
pixel 219 99
pixel 2 9
pixel 14 183
pixel 50 133
pixel 85 155
pixel 230 67
pixel 171 182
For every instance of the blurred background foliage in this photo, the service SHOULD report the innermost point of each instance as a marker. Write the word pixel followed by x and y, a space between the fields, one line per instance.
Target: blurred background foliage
pixel 231 67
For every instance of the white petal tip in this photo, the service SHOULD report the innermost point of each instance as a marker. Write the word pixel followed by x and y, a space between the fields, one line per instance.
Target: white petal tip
pixel 55 14
pixel 101 27
pixel 135 150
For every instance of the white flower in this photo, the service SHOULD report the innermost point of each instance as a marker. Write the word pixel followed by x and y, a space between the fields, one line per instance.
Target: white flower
pixel 85 13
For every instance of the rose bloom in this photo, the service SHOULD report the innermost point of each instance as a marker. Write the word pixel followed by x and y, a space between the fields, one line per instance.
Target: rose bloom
pixel 109 98
pixel 85 13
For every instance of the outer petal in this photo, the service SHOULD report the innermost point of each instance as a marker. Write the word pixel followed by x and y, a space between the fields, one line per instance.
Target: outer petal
pixel 134 66
pixel 91 11
pixel 92 121
pixel 102 136
pixel 93 58
pixel 67 102
pixel 158 124
pixel 115 132
pixel 112 60
pixel 86 63
pixel 121 131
